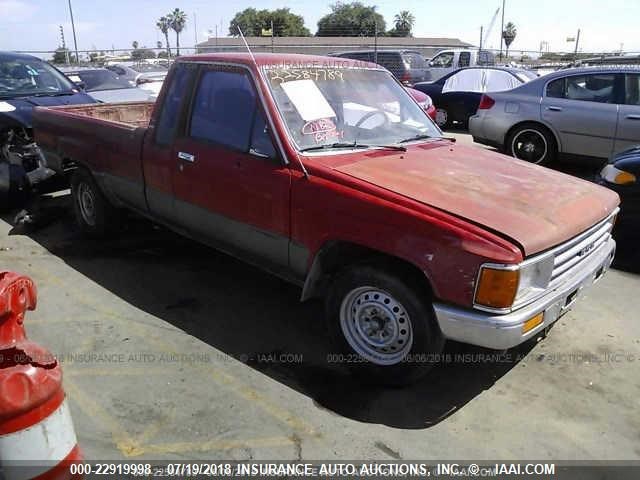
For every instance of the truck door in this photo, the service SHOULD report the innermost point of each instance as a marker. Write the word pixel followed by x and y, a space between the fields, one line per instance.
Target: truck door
pixel 628 134
pixel 231 187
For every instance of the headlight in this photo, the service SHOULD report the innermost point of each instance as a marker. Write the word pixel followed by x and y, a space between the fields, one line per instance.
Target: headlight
pixel 505 286
pixel 614 175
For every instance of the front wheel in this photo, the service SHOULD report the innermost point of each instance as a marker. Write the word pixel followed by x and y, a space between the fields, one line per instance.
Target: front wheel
pixel 14 186
pixel 532 143
pixel 443 119
pixel 382 328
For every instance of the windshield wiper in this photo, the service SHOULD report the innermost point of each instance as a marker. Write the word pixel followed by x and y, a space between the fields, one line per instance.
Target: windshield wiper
pixel 50 94
pixel 352 145
pixel 417 137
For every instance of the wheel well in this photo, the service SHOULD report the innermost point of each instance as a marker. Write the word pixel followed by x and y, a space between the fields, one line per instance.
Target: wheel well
pixel 539 125
pixel 336 256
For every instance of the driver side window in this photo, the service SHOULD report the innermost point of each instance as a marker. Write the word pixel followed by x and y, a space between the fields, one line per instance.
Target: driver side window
pixel 443 60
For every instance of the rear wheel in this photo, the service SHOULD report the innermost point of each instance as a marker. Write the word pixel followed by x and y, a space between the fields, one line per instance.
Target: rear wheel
pixel 382 329
pixel 95 216
pixel 532 143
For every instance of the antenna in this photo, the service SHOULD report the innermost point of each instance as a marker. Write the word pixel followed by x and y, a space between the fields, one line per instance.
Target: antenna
pixel 304 170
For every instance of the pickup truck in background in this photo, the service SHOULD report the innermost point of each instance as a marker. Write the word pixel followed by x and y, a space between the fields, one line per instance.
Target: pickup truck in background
pixel 448 61
pixel 327 173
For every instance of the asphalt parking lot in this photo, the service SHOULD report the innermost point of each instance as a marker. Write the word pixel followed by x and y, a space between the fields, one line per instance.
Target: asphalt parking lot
pixel 171 350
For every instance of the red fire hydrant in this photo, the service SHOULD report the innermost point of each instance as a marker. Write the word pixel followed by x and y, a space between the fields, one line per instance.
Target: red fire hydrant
pixel 37 437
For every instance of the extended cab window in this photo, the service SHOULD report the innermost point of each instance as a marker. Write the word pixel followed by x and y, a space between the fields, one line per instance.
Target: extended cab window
pixel 224 108
pixel 587 88
pixel 465 59
pixel 170 115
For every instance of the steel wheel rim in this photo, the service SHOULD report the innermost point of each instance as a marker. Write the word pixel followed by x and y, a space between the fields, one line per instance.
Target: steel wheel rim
pixel 529 145
pixel 87 205
pixel 441 117
pixel 376 325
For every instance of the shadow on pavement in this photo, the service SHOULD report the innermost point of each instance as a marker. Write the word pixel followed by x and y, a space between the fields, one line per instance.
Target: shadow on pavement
pixel 254 317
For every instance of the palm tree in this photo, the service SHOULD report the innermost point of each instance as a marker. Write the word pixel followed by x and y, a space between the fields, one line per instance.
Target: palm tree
pixel 509 35
pixel 177 22
pixel 404 22
pixel 163 26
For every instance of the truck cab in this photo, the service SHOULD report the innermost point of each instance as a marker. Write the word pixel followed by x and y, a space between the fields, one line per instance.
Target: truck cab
pixel 446 61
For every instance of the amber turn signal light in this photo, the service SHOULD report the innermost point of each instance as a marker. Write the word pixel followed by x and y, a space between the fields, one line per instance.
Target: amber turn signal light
pixel 533 322
pixel 497 288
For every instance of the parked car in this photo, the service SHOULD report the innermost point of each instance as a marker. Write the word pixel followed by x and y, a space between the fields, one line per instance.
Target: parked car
pixel 622 174
pixel 447 61
pixel 574 113
pixel 424 101
pixel 457 95
pixel 147 76
pixel 309 171
pixel 105 86
pixel 407 66
pixel 26 82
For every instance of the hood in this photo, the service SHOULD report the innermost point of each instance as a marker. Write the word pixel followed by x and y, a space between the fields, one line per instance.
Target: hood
pixel 121 95
pixel 535 206
pixel 20 110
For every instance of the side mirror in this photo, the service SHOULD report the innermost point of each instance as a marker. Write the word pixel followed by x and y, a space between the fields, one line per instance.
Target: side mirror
pixel 81 85
pixel 430 63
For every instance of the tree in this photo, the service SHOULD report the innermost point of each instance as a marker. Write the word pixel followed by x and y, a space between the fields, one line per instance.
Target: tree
pixel 163 25
pixel 144 52
pixel 177 22
pixel 351 20
pixel 253 22
pixel 135 44
pixel 403 23
pixel 158 44
pixel 509 35
pixel 61 55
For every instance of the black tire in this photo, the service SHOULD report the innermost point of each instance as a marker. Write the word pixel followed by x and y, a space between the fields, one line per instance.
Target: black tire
pixel 414 306
pixel 95 216
pixel 14 186
pixel 533 143
pixel 443 123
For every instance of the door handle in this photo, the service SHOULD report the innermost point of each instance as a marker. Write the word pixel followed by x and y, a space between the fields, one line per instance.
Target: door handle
pixel 633 117
pixel 187 157
pixel 553 108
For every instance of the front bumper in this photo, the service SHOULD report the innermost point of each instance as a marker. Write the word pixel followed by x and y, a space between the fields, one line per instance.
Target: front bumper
pixel 505 331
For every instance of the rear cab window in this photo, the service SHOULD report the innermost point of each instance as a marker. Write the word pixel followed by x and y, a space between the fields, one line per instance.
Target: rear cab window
pixel 170 115
pixel 414 60
pixel 632 89
pixel 465 59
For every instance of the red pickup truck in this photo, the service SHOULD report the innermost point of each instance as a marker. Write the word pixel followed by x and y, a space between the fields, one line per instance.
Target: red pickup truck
pixel 327 173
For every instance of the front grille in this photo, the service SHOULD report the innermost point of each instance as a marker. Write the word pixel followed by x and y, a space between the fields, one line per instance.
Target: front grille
pixel 577 250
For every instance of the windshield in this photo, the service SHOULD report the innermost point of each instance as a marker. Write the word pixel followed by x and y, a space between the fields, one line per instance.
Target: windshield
pixel 325 106
pixel 30 76
pixel 98 80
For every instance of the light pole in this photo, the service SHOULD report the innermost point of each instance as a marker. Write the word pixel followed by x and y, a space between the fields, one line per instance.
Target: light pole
pixel 73 28
pixel 501 29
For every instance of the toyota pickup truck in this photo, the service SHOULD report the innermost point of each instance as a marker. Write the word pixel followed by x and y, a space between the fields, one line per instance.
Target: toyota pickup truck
pixel 327 173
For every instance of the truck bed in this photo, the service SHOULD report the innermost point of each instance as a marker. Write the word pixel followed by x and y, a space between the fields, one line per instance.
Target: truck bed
pixel 106 138
pixel 131 114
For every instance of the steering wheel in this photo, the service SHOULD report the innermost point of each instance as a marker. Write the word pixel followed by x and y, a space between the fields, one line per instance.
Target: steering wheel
pixel 371 114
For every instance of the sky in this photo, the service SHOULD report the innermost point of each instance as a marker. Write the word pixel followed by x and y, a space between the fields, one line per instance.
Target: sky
pixel 32 25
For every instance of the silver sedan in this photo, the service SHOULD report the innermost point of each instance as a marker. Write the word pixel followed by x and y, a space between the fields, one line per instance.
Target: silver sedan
pixel 579 113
